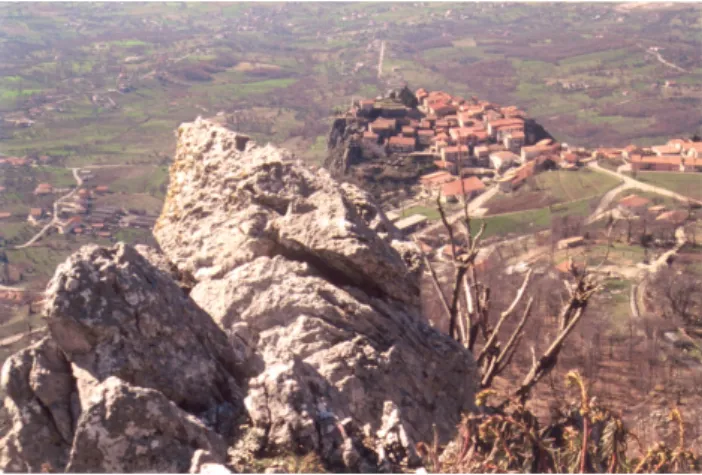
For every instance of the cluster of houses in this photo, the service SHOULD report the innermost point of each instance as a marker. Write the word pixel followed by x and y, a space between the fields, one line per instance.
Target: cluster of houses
pixel 633 206
pixel 471 141
pixel 677 155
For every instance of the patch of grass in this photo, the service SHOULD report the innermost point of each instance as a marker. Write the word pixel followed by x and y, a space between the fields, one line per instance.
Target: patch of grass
pixel 688 184
pixel 530 221
pixel 152 182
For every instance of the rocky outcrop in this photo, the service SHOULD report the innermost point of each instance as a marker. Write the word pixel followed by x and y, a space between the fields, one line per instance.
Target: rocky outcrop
pixel 125 429
pixel 281 299
pixel 292 264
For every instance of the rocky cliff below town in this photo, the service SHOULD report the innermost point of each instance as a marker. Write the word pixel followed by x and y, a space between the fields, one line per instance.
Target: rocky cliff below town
pixel 280 315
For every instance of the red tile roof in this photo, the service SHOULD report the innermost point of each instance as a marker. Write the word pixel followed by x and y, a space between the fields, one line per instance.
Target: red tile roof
pixel 634 201
pixel 470 184
pixel 403 141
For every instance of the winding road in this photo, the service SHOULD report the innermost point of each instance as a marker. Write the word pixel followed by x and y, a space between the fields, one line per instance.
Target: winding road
pixel 54 219
pixel 630 183
pixel 473 206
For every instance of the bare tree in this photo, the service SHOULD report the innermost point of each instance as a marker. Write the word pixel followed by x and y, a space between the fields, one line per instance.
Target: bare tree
pixel 468 310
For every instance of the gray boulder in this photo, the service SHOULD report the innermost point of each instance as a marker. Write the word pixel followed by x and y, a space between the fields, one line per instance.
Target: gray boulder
pixel 125 429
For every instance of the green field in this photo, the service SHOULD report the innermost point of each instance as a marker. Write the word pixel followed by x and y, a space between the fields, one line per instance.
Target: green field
pixel 568 185
pixel 688 184
pixel 530 221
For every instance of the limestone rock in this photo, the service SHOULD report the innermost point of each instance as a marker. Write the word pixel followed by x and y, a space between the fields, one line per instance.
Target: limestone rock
pixel 291 263
pixel 114 314
pixel 39 386
pixel 227 206
pixel 130 430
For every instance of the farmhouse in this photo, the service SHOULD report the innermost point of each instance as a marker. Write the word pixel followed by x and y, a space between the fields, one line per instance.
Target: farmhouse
pixel 43 189
pixel 633 203
pixel 663 163
pixel 533 151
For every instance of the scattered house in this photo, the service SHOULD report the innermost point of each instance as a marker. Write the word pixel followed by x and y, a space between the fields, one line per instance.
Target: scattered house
pixel 102 189
pixel 676 217
pixel 5 215
pixel 2 188
pixel 633 203
pixel 468 187
pixel 17 161
pixel 411 223
pixel 570 242
pixel 401 144
pixel 43 189
pixel 570 158
pixel 502 160
pixel 435 180
pixel 454 154
pixel 35 214
pixel 67 226
pixel 663 163
pixel 104 234
pixel 513 179
pixel 533 151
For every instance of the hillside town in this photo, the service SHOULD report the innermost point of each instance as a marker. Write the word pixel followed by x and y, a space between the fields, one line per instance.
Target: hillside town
pixel 471 145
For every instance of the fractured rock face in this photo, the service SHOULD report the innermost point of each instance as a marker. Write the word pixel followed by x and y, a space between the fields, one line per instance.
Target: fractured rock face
pixel 131 430
pixel 39 390
pixel 281 296
pixel 114 314
pixel 291 262
pixel 225 207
